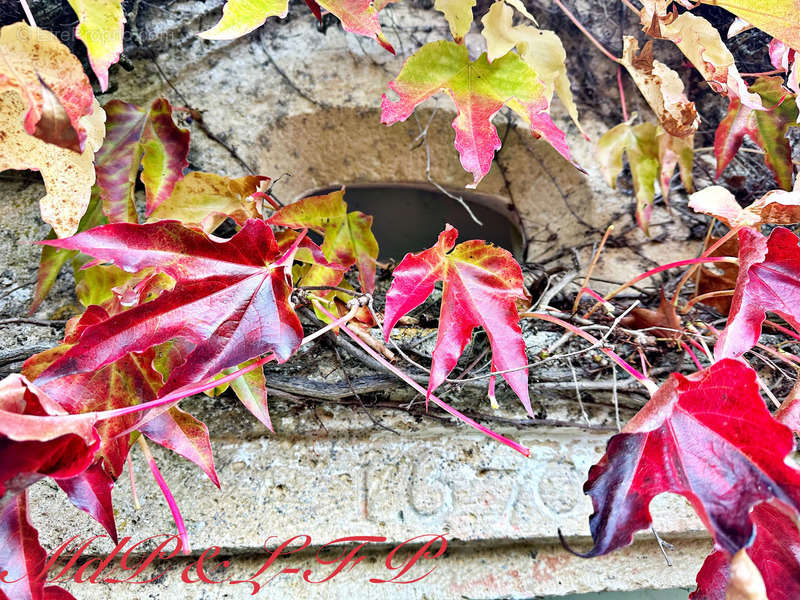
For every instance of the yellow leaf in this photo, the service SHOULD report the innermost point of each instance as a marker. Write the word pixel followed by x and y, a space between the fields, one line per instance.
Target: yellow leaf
pixel 68 176
pixel 542 50
pixel 101 27
pixel 661 87
pixel 207 199
pixel 458 14
pixel 776 17
pixel 703 46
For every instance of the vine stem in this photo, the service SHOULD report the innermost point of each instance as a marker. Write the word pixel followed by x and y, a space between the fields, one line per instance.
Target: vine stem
pixel 28 14
pixel 585 31
pixel 173 506
pixel 436 400
pixel 707 252
pixel 659 269
pixel 207 384
pixel 648 383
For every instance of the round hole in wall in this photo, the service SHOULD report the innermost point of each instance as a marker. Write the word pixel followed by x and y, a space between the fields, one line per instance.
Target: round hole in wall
pixel 409 217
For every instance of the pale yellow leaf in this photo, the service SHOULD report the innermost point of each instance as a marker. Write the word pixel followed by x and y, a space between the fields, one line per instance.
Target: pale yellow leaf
pixel 703 46
pixel 101 27
pixel 541 49
pixel 661 87
pixel 458 14
pixel 68 176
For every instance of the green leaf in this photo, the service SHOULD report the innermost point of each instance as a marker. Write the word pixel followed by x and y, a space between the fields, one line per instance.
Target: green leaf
pixel 479 89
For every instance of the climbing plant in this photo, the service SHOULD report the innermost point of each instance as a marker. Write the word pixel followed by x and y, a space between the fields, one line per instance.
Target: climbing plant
pixel 172 310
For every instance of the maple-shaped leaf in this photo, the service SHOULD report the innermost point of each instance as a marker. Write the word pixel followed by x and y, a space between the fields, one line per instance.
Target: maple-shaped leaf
pixel 231 299
pixel 101 27
pixel 39 438
pixel 131 379
pixel 778 18
pixel 541 49
pixel 701 43
pixel 661 87
pixel 708 437
pixel 652 155
pixel 777 207
pixel 458 14
pixel 137 136
pixel 240 17
pixel 205 200
pixel 767 128
pixel 481 286
pixel 348 236
pixel 479 90
pixel 640 144
pixel 775 553
pixel 662 322
pixel 22 558
pixel 769 281
pixel 68 175
pixel 51 84
pixel 91 492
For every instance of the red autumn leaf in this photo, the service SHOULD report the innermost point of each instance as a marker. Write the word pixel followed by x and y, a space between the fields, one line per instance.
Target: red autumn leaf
pixel 22 558
pixel 91 492
pixel 769 280
pixel 38 438
pixel 775 552
pixel 181 432
pixel 663 322
pixel 136 136
pixel 231 299
pixel 129 380
pixel 767 128
pixel 482 284
pixel 708 437
pixel 348 237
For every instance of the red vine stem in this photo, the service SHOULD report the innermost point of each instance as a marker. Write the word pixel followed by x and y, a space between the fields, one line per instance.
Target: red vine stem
pixel 783 329
pixel 585 31
pixel 440 403
pixel 622 94
pixel 173 506
pixel 635 373
pixel 659 269
pixel 707 252
pixel 691 355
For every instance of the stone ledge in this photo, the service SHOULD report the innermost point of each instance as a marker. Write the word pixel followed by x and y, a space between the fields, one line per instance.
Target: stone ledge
pixel 482 573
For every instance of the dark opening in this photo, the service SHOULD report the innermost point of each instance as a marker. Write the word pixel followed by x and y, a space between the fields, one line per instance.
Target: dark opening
pixel 409 218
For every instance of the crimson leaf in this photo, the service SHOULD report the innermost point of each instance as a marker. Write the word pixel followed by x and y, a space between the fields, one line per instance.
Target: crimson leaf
pixel 482 284
pixel 769 280
pixel 708 437
pixel 231 299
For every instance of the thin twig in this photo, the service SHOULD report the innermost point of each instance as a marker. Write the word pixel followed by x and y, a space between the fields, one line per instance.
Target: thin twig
pixel 32 321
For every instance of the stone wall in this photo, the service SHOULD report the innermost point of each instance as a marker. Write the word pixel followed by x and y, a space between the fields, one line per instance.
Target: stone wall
pixel 289 99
